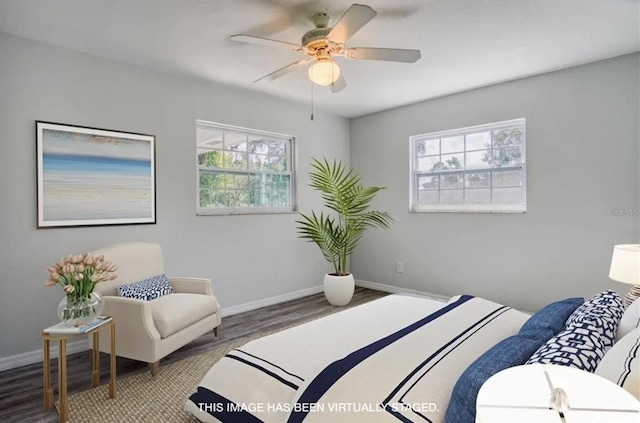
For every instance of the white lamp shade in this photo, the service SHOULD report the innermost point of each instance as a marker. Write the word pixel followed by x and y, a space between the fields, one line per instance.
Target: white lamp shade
pixel 324 73
pixel 625 264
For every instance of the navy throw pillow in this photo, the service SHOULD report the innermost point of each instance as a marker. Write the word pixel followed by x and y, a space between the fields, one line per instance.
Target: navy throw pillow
pixel 550 320
pixel 512 351
pixel 146 290
pixel 604 312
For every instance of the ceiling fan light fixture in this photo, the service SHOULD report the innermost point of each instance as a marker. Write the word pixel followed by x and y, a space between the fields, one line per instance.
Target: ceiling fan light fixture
pixel 324 72
pixel 322 43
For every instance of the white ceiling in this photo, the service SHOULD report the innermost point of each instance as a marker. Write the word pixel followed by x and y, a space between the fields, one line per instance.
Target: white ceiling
pixel 464 43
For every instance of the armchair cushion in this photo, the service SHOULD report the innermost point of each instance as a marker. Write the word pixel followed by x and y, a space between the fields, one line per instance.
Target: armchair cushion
pixel 146 290
pixel 174 312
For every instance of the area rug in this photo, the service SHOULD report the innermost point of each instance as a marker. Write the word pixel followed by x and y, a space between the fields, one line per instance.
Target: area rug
pixel 141 399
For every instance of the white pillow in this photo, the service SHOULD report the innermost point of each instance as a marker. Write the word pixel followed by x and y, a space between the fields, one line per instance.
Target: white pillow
pixel 621 364
pixel 630 320
pixel 454 299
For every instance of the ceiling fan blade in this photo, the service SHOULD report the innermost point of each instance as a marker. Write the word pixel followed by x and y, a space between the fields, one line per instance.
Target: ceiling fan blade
pixel 265 42
pixel 355 18
pixel 283 71
pixel 339 85
pixel 390 54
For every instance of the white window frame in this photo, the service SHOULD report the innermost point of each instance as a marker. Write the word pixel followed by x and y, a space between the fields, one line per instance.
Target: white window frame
pixel 211 211
pixel 479 208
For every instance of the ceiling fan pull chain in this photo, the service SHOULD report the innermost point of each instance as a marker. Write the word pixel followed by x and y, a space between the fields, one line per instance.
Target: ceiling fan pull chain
pixel 333 77
pixel 311 96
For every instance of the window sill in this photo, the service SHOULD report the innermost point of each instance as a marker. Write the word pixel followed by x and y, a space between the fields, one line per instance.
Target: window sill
pixel 239 212
pixel 488 211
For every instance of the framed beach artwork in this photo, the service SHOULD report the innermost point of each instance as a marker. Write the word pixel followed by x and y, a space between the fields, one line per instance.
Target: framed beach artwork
pixel 89 176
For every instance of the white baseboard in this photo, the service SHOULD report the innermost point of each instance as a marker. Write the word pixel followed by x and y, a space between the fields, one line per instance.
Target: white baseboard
pixel 398 290
pixel 253 305
pixel 30 357
pixel 19 360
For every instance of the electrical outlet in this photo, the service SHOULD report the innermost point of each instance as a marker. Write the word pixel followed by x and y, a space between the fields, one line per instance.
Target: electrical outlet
pixel 399 267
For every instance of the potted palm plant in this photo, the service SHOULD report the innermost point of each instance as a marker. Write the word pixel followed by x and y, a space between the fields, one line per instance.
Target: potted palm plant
pixel 337 233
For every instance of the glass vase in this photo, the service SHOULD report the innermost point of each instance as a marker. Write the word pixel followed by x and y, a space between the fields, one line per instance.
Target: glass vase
pixel 78 311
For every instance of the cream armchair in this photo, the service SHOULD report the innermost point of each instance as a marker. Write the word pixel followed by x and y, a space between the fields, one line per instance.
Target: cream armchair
pixel 150 330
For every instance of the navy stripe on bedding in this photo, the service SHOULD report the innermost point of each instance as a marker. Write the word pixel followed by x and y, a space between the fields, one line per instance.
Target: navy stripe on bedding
pixel 330 375
pixel 220 407
pixel 270 363
pixel 263 370
pixel 480 323
pixel 475 328
pixel 422 415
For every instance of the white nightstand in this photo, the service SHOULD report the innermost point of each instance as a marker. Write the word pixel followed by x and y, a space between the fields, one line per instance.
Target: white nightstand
pixel 523 394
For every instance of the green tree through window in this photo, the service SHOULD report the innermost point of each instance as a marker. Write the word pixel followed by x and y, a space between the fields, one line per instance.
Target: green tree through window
pixel 475 168
pixel 249 172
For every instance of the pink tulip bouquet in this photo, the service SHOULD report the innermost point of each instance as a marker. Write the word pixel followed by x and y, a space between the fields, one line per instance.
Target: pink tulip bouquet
pixel 78 276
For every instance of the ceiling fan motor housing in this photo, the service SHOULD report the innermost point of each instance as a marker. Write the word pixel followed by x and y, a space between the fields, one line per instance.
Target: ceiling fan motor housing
pixel 314 39
pixel 315 43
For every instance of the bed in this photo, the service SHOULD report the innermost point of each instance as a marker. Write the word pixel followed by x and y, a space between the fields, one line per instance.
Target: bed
pixel 395 359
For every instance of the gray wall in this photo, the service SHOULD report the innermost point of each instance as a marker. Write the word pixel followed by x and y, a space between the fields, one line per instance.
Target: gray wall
pixel 582 151
pixel 248 257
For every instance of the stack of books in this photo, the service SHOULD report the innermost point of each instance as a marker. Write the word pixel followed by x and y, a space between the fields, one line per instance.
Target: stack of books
pixel 63 328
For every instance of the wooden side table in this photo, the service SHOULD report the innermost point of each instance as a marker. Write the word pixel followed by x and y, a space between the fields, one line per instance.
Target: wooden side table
pixel 63 408
pixel 523 394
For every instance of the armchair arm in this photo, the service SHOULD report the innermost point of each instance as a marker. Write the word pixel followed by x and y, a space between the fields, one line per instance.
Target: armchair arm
pixel 134 316
pixel 136 334
pixel 192 285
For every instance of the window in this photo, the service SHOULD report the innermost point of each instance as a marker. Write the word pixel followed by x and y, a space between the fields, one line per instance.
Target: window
pixel 243 171
pixel 481 168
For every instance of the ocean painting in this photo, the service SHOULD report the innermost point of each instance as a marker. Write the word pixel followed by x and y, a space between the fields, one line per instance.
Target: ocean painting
pixel 94 177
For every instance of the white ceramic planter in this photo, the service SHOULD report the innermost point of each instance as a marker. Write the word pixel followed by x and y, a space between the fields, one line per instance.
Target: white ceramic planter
pixel 339 289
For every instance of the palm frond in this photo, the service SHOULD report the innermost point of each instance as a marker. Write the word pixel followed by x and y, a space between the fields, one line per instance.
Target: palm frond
pixel 342 193
pixel 324 232
pixel 377 219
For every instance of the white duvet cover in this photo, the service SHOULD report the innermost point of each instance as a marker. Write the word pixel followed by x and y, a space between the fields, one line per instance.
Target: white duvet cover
pixel 391 360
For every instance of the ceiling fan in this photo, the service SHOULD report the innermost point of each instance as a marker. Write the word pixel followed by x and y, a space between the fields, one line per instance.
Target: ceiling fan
pixel 323 43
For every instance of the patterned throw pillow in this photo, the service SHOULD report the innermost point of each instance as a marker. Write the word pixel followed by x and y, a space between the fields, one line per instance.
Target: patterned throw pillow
pixel 146 290
pixel 604 312
pixel 580 346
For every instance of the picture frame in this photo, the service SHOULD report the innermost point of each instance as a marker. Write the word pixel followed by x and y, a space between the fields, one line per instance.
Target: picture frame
pixel 94 177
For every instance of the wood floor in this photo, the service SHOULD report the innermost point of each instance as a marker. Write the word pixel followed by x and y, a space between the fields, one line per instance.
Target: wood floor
pixel 21 388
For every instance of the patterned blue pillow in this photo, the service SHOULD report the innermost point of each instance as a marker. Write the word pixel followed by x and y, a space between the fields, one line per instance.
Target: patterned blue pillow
pixel 580 346
pixel 550 320
pixel 509 352
pixel 146 290
pixel 604 312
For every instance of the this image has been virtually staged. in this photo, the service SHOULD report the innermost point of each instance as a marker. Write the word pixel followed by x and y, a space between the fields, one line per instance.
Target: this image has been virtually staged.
pixel 320 212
